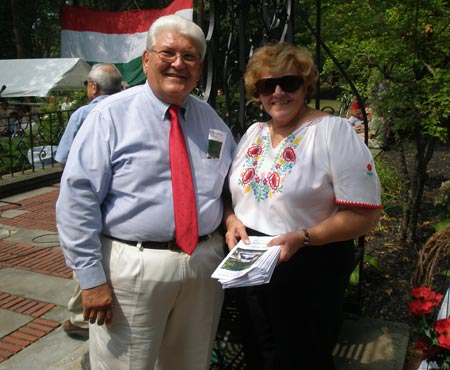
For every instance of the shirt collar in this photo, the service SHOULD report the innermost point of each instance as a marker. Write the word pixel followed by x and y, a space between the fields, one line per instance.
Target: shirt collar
pixel 163 108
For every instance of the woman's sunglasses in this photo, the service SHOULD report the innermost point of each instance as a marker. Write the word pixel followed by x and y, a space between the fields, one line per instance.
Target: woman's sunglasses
pixel 288 84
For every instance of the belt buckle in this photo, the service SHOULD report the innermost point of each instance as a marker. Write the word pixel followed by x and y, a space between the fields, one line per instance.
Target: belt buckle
pixel 172 245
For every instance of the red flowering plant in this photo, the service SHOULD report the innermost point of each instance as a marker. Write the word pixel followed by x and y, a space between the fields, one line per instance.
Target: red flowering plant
pixel 433 335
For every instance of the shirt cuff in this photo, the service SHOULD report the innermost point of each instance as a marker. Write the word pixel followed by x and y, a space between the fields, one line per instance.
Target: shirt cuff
pixel 92 276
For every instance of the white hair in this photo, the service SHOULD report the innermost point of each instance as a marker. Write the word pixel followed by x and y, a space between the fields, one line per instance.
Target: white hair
pixel 107 77
pixel 180 25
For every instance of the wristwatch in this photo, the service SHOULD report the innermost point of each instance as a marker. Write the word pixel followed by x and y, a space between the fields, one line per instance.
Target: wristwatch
pixel 305 237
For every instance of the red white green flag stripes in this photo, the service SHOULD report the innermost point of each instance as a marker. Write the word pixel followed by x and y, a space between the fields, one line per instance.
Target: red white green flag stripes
pixel 113 37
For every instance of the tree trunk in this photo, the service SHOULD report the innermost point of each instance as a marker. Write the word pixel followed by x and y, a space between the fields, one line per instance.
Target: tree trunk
pixel 22 20
pixel 414 173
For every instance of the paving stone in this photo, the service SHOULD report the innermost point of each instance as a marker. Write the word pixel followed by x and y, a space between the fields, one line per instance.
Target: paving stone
pixel 372 344
pixel 54 348
pixel 36 286
pixel 11 213
pixel 10 321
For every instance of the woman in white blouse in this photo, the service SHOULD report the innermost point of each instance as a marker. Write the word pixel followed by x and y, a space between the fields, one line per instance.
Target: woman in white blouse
pixel 306 178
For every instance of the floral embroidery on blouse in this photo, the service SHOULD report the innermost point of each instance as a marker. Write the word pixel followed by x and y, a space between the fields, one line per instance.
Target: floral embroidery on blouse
pixel 266 184
pixel 369 171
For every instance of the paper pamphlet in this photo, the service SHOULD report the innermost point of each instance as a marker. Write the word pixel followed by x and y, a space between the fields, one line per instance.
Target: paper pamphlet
pixel 248 264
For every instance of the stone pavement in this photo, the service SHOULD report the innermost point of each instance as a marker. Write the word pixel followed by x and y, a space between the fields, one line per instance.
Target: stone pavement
pixel 35 286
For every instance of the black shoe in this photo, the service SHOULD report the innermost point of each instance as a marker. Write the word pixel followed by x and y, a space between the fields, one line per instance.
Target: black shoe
pixel 75 331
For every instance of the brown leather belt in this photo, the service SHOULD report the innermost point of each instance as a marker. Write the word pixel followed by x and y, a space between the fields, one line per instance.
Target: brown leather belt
pixel 170 245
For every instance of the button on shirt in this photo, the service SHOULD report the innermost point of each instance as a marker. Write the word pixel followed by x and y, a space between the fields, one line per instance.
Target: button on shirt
pixel 117 179
pixel 76 120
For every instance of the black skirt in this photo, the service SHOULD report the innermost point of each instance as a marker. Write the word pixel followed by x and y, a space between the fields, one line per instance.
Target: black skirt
pixel 294 321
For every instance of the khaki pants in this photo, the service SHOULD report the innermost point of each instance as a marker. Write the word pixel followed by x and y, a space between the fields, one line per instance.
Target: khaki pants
pixel 75 305
pixel 166 308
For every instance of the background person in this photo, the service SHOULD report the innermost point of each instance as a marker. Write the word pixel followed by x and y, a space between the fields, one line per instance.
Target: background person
pixel 103 80
pixel 66 104
pixel 51 104
pixel 26 122
pixel 305 177
pixel 5 112
pixel 160 304
pixel 24 112
pixel 14 124
pixel 354 111
pixel 377 130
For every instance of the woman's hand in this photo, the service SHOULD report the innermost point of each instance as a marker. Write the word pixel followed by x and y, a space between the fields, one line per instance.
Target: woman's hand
pixel 290 243
pixel 235 231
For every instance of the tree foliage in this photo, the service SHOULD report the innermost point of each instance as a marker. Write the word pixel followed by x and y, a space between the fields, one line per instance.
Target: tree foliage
pixel 398 54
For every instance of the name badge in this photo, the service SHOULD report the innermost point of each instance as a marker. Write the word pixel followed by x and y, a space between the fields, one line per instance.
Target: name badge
pixel 216 139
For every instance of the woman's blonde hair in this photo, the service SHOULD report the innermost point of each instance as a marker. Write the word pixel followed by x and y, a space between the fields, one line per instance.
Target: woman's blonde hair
pixel 277 58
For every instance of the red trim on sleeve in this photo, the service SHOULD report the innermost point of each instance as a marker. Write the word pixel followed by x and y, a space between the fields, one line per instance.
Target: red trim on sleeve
pixel 362 205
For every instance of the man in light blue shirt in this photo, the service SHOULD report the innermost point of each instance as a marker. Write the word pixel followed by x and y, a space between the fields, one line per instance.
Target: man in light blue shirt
pixel 103 80
pixel 115 213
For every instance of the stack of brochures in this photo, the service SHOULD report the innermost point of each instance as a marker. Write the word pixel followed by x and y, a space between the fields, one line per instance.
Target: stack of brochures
pixel 248 264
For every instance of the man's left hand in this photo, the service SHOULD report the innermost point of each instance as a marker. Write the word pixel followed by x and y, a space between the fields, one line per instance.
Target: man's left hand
pixel 97 304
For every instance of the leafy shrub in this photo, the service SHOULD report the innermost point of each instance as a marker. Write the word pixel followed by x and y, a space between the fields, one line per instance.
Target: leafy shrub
pixel 390 185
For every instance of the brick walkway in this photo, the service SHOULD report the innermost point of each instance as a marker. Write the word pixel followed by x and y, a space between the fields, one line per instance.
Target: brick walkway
pixel 37 259
pixel 384 343
pixel 24 336
pixel 39 212
pixel 36 213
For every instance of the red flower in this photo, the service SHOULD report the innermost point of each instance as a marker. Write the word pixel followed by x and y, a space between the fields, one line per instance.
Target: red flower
pixel 437 299
pixel 443 326
pixel 444 341
pixel 425 294
pixel 254 151
pixel 248 175
pixel 422 292
pixel 274 180
pixel 424 302
pixel 289 154
pixel 433 335
pixel 419 307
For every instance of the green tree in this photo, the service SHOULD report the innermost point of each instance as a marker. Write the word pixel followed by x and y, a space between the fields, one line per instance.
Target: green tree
pixel 398 54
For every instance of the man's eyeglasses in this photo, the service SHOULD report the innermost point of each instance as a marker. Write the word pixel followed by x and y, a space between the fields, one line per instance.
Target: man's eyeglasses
pixel 167 56
pixel 288 84
pixel 87 82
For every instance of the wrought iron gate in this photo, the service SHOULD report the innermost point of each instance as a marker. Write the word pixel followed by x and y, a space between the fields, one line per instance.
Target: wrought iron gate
pixel 235 29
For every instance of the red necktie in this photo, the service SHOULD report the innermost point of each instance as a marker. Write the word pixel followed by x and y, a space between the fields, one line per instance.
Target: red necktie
pixel 185 209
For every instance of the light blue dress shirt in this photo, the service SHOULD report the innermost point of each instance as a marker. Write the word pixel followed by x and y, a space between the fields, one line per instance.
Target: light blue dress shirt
pixel 117 179
pixel 75 121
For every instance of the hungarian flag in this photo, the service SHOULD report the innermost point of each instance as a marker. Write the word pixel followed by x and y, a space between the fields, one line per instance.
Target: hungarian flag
pixel 99 36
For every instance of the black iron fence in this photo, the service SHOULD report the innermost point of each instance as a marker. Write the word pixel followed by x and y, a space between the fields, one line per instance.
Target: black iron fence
pixel 29 142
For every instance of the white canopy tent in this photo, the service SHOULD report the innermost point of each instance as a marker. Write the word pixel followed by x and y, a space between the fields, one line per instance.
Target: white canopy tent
pixel 40 77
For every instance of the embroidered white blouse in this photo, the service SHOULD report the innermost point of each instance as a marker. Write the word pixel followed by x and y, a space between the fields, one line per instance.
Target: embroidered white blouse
pixel 302 181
